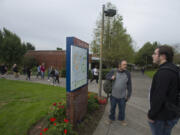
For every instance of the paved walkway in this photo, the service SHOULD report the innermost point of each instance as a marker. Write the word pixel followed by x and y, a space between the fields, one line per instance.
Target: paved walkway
pixel 136 112
pixel 136 109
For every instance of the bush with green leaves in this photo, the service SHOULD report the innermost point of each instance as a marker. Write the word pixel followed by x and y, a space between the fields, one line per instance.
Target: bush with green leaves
pixel 63 72
pixel 105 72
pixel 29 61
pixel 58 124
pixel 92 103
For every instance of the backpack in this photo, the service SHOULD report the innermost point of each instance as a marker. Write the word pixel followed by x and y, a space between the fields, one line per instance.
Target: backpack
pixel 56 72
pixel 170 106
pixel 107 85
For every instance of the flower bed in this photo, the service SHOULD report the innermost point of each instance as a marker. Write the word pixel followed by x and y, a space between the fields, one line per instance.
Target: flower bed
pixel 60 125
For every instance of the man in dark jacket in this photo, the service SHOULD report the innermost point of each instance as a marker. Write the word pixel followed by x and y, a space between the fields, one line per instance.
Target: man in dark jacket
pixel 164 89
pixel 121 91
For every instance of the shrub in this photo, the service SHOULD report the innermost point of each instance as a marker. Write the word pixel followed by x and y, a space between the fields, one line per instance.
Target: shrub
pixel 90 74
pixel 92 103
pixel 63 73
pixel 59 125
pixel 29 61
pixel 104 73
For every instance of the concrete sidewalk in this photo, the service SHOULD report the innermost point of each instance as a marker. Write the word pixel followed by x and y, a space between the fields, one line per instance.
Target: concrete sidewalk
pixel 136 112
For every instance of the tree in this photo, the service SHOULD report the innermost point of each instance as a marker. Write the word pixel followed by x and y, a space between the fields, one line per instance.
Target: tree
pixel 177 58
pixel 29 61
pixel 29 46
pixel 59 49
pixel 177 53
pixel 117 43
pixel 11 49
pixel 144 55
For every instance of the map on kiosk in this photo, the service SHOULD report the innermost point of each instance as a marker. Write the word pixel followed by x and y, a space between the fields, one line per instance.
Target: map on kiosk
pixel 78 67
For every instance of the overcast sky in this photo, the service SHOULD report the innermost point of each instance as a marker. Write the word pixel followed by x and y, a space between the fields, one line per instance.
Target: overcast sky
pixel 47 23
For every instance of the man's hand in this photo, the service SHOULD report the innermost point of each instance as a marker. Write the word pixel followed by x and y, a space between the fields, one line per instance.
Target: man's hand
pixel 127 99
pixel 113 77
pixel 151 121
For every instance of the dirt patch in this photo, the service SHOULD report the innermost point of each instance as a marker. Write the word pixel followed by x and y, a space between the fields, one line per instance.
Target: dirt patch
pixel 36 128
pixel 89 124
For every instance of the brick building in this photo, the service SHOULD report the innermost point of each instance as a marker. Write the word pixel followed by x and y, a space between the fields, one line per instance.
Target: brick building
pixel 55 58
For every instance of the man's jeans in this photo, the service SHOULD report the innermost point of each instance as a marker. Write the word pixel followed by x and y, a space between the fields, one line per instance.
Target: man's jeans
pixel 121 104
pixel 160 127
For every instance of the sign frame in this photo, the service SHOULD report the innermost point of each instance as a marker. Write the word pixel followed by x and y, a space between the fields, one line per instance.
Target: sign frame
pixel 72 41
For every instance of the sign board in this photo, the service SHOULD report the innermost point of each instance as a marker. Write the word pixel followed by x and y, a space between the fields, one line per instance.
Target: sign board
pixel 76 64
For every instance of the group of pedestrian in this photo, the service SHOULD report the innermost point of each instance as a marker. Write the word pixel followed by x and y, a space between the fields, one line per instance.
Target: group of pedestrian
pixel 52 73
pixel 165 89
pixel 40 71
pixel 27 70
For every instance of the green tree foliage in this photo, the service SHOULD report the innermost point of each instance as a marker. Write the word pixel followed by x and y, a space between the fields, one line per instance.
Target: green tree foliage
pixel 177 54
pixel 59 49
pixel 29 61
pixel 144 55
pixel 29 46
pixel 177 58
pixel 12 49
pixel 117 43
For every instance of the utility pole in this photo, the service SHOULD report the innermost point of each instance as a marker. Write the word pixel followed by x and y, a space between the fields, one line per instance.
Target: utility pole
pixel 101 45
pixel 109 13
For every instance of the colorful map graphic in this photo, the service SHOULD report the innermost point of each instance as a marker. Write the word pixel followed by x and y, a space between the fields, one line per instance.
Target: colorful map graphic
pixel 78 67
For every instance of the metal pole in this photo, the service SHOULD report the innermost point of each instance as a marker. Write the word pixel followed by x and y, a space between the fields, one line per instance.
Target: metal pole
pixel 100 63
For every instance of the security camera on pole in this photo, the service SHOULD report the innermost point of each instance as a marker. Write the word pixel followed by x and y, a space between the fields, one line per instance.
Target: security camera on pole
pixel 109 13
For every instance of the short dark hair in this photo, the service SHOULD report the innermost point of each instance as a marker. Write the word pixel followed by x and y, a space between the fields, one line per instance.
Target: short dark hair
pixel 167 51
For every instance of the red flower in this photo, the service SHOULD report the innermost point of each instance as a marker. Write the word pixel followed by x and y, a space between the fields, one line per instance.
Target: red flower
pixel 54 104
pixel 52 119
pixel 65 131
pixel 54 124
pixel 40 133
pixel 61 106
pixel 66 120
pixel 105 101
pixel 45 129
pixel 59 103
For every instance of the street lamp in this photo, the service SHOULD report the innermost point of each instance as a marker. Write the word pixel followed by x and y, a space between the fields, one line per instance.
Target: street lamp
pixel 109 13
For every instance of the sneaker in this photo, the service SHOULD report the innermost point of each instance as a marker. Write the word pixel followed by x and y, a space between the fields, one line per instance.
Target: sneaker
pixel 108 122
pixel 123 123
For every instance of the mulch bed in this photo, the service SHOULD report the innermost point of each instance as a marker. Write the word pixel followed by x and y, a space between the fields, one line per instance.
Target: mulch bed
pixel 86 127
pixel 89 124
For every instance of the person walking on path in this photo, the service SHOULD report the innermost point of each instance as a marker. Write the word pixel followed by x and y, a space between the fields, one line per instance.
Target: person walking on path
pixel 143 70
pixel 15 71
pixel 95 74
pixel 57 76
pixel 42 71
pixel 49 72
pixel 164 89
pixel 28 72
pixel 38 71
pixel 3 69
pixel 121 84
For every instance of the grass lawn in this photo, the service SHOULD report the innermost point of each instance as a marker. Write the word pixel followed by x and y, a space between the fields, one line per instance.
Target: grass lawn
pixel 23 103
pixel 150 73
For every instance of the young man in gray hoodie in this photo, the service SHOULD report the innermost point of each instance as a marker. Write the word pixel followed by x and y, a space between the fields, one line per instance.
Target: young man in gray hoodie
pixel 121 91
